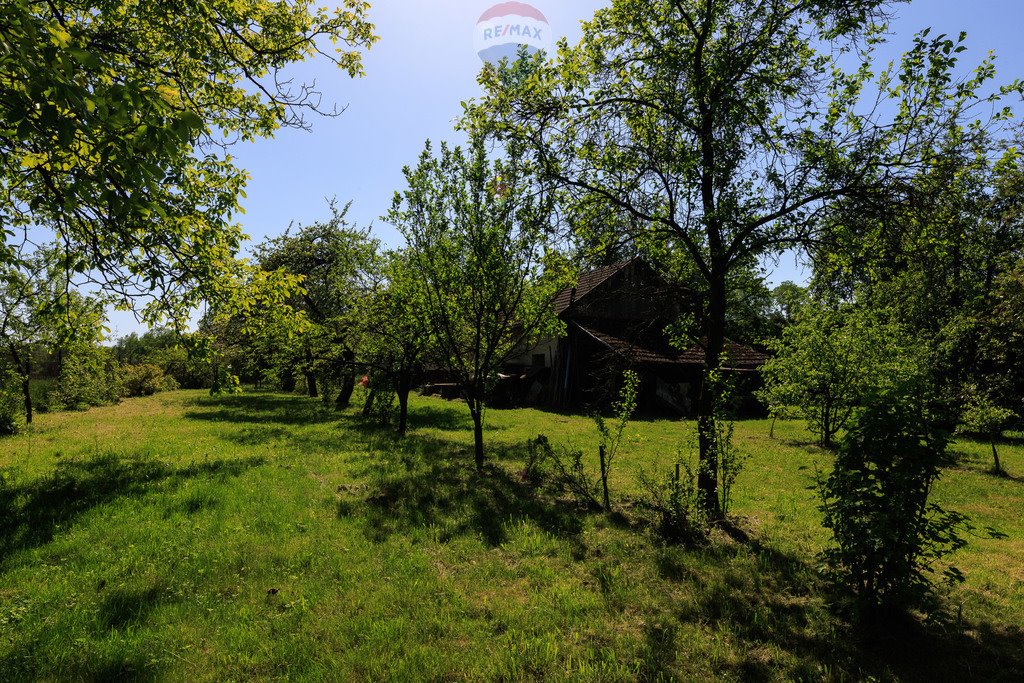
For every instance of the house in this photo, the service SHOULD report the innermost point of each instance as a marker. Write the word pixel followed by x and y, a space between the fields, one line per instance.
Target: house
pixel 616 319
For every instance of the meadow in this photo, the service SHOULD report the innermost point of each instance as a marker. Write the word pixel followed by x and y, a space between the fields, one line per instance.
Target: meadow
pixel 264 536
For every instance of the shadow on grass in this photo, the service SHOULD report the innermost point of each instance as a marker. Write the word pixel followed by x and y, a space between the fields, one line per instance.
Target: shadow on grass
pixel 781 617
pixel 448 418
pixel 262 409
pixel 432 484
pixel 772 612
pixel 31 512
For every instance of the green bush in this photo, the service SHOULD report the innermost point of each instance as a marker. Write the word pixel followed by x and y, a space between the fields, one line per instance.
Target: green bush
pixel 41 390
pixel 889 537
pixel 12 406
pixel 88 378
pixel 675 502
pixel 144 380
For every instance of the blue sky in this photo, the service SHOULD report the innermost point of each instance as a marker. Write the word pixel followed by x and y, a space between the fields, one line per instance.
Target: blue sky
pixel 425 65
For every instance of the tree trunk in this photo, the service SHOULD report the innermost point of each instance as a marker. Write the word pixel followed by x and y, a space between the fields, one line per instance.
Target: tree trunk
pixel 348 382
pixel 368 406
pixel 995 457
pixel 710 398
pixel 604 479
pixel 404 385
pixel 28 399
pixel 478 436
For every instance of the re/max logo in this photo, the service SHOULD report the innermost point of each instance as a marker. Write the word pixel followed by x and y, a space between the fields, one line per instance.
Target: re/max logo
pixel 512 30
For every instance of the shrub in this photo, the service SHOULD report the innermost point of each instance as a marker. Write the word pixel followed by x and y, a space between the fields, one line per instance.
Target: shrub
pixel 676 503
pixel 562 470
pixel 42 391
pixel 730 463
pixel 888 535
pixel 611 437
pixel 12 406
pixel 144 380
pixel 88 378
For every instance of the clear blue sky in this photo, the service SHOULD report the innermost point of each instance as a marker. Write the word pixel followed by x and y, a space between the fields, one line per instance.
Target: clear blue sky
pixel 425 65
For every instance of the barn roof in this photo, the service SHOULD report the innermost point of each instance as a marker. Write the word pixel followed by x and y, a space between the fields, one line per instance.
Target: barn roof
pixel 737 356
pixel 588 282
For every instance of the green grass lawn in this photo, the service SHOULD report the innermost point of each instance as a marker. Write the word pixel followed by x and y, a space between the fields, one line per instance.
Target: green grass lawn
pixel 183 537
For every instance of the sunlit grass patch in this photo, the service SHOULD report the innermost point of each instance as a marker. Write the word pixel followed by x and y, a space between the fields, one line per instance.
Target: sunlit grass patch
pixel 266 536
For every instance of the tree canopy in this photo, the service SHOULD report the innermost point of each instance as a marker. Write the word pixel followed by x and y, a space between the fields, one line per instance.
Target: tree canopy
pixel 727 129
pixel 116 119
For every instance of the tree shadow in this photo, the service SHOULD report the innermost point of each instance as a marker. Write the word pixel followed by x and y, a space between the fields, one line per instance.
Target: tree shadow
pixel 31 512
pixel 122 607
pixel 22 663
pixel 432 484
pixel 444 418
pixel 262 409
pixel 774 601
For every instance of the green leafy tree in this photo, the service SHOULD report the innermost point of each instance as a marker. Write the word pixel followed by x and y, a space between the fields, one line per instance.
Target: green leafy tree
pixel 826 362
pixel 397 332
pixel 115 119
pixel 984 417
pixel 476 233
pixel 339 267
pixel 727 128
pixel 940 252
pixel 40 311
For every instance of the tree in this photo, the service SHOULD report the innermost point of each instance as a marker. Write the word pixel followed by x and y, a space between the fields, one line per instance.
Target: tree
pixel 339 266
pixel 477 237
pixel 115 119
pixel 40 311
pixel 826 362
pixel 397 330
pixel 941 256
pixel 983 417
pixel 726 128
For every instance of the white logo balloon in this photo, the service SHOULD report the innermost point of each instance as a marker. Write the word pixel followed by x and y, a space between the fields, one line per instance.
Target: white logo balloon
pixel 506 27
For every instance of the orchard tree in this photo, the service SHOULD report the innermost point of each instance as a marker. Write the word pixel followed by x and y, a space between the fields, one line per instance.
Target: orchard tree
pixel 339 266
pixel 397 332
pixel 985 418
pixel 829 360
pixel 942 258
pixel 726 128
pixel 116 117
pixel 477 240
pixel 39 310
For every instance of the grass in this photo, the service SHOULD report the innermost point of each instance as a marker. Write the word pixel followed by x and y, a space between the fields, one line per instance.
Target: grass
pixel 183 537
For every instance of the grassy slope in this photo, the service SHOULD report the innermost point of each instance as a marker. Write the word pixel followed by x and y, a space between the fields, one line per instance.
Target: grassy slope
pixel 184 537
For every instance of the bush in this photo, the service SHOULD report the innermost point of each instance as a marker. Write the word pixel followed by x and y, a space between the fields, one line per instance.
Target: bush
pixel 88 378
pixel 144 380
pixel 888 536
pixel 41 391
pixel 676 503
pixel 561 470
pixel 12 406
